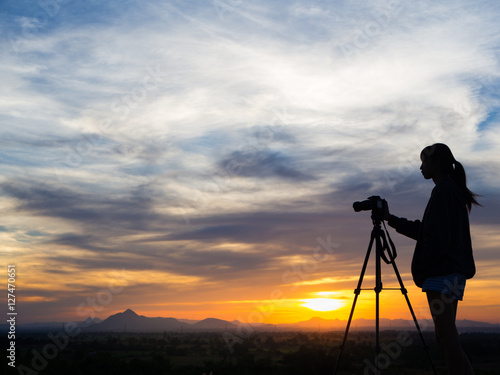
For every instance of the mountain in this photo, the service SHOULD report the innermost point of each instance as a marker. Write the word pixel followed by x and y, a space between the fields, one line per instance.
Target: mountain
pixel 129 321
pixel 213 324
pixel 188 321
pixel 89 321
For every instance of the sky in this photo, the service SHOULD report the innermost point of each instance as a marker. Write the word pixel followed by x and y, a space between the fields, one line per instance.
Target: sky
pixel 200 159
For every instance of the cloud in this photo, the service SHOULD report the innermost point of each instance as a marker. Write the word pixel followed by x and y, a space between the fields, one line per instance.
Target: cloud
pixel 263 164
pixel 93 208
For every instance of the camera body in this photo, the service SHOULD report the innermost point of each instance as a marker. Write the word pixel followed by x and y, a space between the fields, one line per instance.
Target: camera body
pixel 374 203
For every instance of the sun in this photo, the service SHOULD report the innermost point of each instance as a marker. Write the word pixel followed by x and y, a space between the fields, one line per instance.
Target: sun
pixel 322 304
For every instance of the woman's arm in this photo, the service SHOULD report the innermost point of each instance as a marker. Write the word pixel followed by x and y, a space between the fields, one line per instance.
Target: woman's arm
pixel 409 228
pixel 406 227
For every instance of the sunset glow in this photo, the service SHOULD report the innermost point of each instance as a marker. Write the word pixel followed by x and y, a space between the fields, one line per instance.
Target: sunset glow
pixel 322 304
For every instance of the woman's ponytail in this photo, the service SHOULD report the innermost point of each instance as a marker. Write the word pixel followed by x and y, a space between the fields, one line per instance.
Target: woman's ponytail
pixel 460 179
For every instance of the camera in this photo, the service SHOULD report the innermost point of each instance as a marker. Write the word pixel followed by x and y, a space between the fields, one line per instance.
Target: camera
pixel 373 203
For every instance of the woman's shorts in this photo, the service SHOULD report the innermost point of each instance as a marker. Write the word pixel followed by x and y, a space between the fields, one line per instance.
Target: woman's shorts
pixel 452 285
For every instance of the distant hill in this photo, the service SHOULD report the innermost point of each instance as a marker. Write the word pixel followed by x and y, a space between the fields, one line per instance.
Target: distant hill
pixel 213 324
pixel 188 321
pixel 129 321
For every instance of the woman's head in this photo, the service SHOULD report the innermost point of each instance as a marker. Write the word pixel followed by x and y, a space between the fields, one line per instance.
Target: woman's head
pixel 438 160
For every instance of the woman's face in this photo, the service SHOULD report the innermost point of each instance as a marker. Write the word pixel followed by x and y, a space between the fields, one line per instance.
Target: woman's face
pixel 429 167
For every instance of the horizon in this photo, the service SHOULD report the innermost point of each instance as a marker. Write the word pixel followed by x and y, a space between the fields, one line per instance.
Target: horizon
pixel 102 319
pixel 202 159
pixel 314 318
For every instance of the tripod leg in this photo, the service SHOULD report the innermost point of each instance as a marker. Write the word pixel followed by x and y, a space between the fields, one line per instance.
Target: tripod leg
pixel 356 292
pixel 378 289
pixel 405 293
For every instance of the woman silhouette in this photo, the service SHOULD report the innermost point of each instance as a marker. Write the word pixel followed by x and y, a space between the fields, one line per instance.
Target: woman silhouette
pixel 443 258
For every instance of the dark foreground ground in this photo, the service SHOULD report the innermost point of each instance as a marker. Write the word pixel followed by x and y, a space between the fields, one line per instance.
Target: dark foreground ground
pixel 290 353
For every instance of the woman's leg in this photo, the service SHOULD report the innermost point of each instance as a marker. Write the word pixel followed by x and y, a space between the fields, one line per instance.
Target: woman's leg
pixel 444 312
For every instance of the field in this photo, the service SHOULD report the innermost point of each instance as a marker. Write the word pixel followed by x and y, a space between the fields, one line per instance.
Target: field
pixel 290 353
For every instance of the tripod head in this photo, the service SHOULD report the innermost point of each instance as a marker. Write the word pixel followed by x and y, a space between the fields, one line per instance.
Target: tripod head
pixel 377 205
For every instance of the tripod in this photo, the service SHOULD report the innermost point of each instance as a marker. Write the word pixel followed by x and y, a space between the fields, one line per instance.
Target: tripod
pixel 381 246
